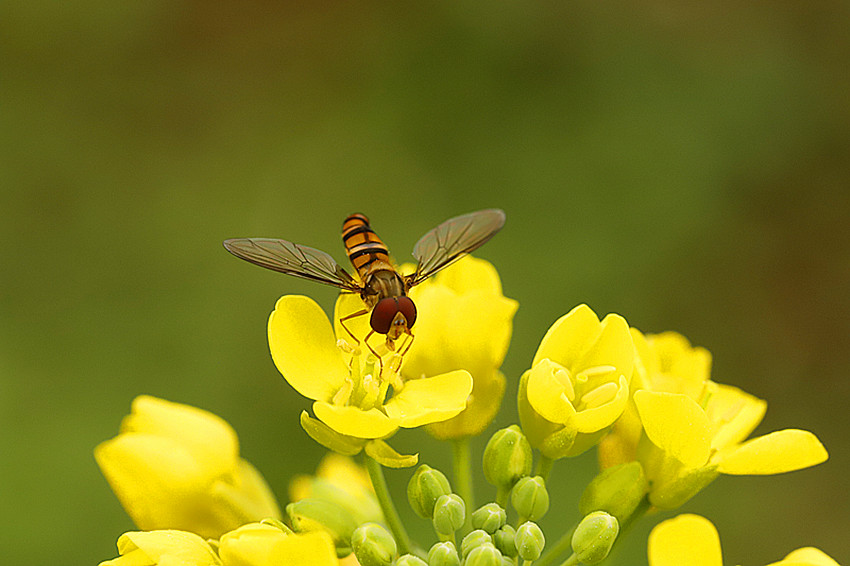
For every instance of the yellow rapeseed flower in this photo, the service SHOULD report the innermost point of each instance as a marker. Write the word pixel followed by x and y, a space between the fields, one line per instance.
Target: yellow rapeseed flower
pixel 692 540
pixel 578 384
pixel 689 429
pixel 464 322
pixel 178 467
pixel 349 387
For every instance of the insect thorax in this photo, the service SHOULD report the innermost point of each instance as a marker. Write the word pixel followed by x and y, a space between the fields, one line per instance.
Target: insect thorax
pixel 382 283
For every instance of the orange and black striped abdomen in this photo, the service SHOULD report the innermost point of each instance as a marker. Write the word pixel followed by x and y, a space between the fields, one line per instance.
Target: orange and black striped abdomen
pixel 362 245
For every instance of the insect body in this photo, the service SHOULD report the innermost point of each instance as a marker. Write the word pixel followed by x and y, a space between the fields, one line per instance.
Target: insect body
pixel 382 288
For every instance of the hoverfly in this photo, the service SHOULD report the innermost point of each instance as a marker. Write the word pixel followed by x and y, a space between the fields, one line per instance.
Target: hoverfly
pixel 381 287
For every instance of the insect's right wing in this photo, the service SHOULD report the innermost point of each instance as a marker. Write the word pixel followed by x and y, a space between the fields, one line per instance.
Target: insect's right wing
pixel 452 240
pixel 292 259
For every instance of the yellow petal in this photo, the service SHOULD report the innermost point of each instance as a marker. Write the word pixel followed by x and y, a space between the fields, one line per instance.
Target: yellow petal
pixel 433 399
pixel 208 437
pixel 248 493
pixel 676 424
pixel 384 454
pixel 163 547
pixel 353 421
pixel 536 428
pixel 468 331
pixel 348 304
pixel 470 274
pixel 677 357
pixel 547 392
pixel 686 540
pixel 612 347
pixel 153 477
pixel 807 556
pixel 603 416
pixel 734 414
pixel 569 337
pixel 263 545
pixel 481 408
pixel 304 349
pixel 775 453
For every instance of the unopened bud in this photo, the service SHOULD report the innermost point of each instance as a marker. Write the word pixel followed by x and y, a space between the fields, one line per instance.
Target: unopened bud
pixel 489 518
pixel 507 457
pixel 530 498
pixel 504 540
pixel 617 490
pixel 529 541
pixel 410 560
pixel 594 537
pixel 449 514
pixel 443 554
pixel 424 488
pixel 315 514
pixel 474 539
pixel 484 555
pixel 373 545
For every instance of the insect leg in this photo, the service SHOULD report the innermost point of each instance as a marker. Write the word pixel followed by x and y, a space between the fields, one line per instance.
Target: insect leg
pixel 353 315
pixel 380 359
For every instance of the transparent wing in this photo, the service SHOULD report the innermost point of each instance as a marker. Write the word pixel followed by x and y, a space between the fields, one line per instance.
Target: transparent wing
pixel 292 259
pixel 453 239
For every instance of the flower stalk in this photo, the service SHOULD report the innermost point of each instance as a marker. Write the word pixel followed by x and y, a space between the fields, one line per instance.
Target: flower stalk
pixel 382 492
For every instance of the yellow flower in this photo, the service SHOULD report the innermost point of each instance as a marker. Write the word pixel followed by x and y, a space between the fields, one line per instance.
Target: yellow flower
pixel 163 547
pixel 690 429
pixel 464 322
pixel 691 540
pixel 350 389
pixel 341 481
pixel 178 467
pixel 259 544
pixel 578 384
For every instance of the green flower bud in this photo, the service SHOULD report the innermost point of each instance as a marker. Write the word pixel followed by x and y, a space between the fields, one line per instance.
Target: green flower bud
pixel 449 514
pixel 595 536
pixel 484 555
pixel 424 488
pixel 373 545
pixel 474 539
pixel 507 457
pixel 504 540
pixel 489 518
pixel 507 561
pixel 410 560
pixel 617 490
pixel 443 554
pixel 529 541
pixel 315 514
pixel 530 498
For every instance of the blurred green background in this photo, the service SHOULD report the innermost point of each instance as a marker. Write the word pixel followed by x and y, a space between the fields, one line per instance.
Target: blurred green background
pixel 685 164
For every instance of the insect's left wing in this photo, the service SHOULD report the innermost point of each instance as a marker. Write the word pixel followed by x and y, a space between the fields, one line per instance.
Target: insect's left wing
pixel 292 259
pixel 452 240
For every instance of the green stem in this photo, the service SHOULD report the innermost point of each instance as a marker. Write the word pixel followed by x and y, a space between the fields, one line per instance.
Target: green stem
pixel 503 494
pixel 544 466
pixel 564 544
pixel 571 561
pixel 462 458
pixel 379 482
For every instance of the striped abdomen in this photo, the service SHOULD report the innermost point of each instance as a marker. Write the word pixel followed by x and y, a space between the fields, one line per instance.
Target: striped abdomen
pixel 362 245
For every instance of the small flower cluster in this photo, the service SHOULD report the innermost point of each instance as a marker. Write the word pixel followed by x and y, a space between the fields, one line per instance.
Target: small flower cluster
pixel 662 428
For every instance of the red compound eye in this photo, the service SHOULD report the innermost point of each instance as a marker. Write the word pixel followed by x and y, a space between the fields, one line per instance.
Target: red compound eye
pixel 383 314
pixel 408 309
